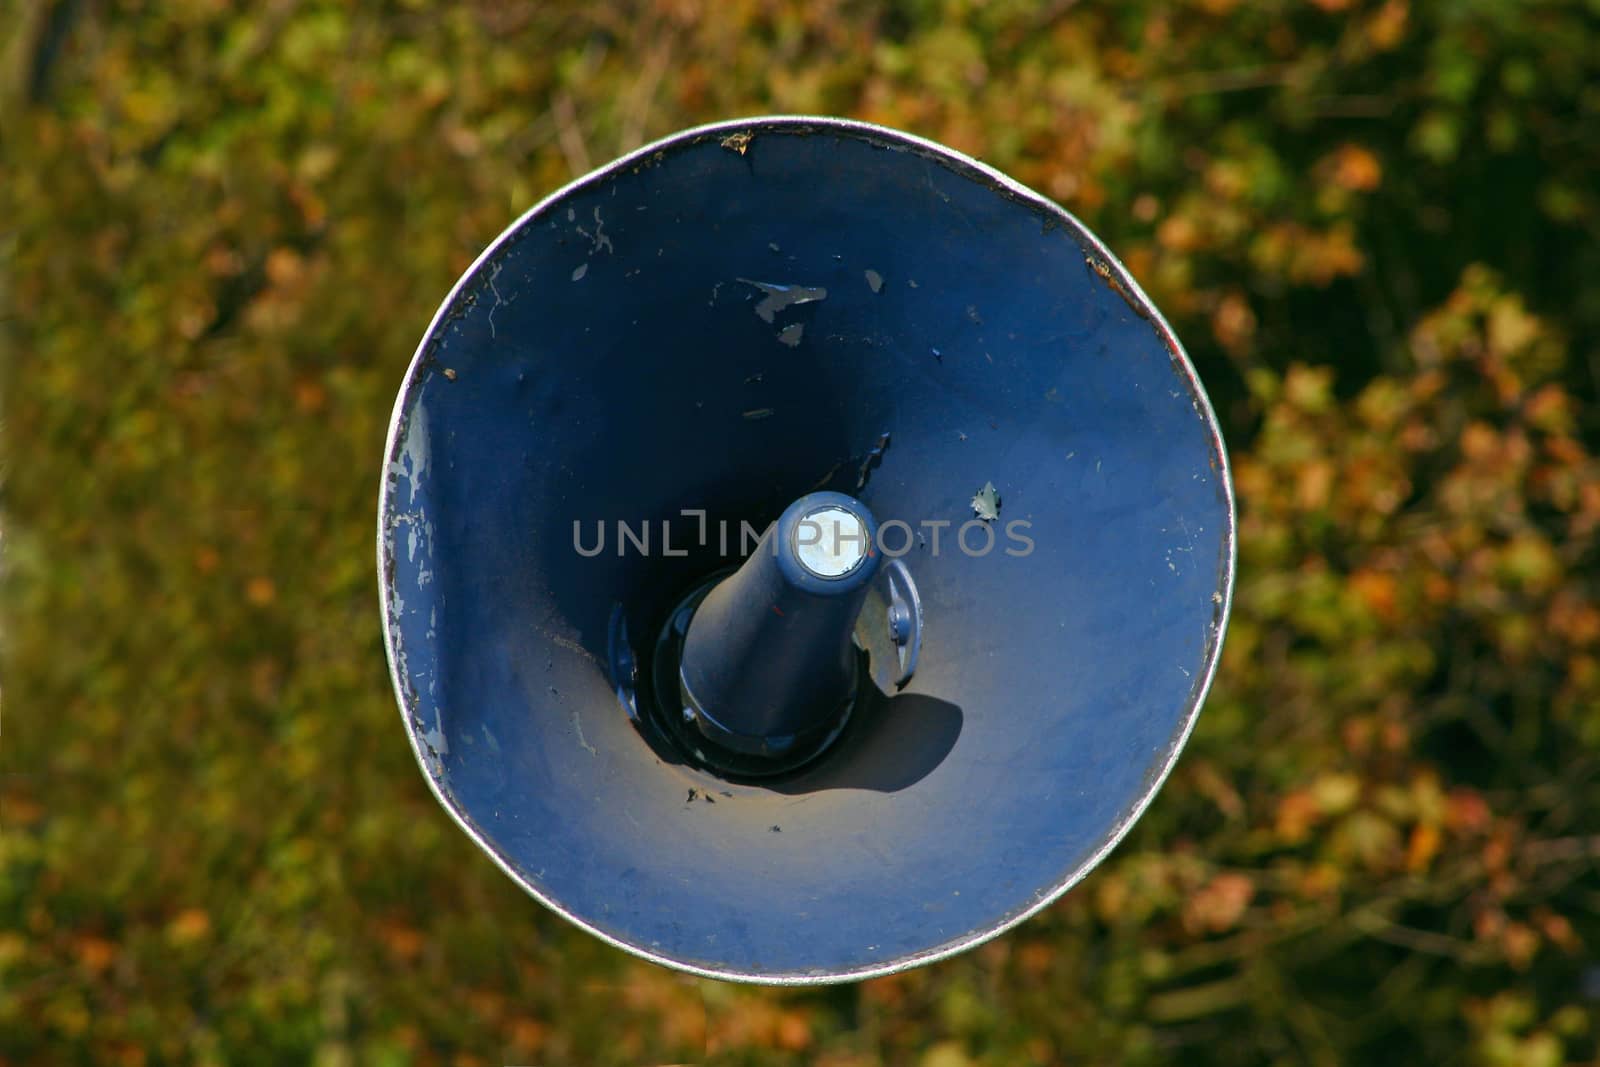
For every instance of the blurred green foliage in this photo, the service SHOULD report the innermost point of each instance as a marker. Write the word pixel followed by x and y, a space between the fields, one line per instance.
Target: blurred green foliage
pixel 222 232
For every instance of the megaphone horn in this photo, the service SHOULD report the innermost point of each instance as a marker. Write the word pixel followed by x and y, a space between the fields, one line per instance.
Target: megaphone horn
pixel 804 551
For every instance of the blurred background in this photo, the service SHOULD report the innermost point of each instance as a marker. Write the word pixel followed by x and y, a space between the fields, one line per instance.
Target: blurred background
pixel 223 230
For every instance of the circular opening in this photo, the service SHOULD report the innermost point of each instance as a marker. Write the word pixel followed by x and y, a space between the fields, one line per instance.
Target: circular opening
pixel 994 310
pixel 830 542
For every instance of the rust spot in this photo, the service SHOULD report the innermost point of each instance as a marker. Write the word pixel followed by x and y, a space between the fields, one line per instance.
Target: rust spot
pixel 738 142
pixel 826 478
pixel 1109 276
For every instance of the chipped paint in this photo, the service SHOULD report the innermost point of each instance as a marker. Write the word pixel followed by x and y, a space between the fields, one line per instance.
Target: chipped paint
pixel 776 297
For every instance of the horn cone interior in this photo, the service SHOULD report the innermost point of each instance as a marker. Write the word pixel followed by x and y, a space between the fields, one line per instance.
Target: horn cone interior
pixel 720 324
